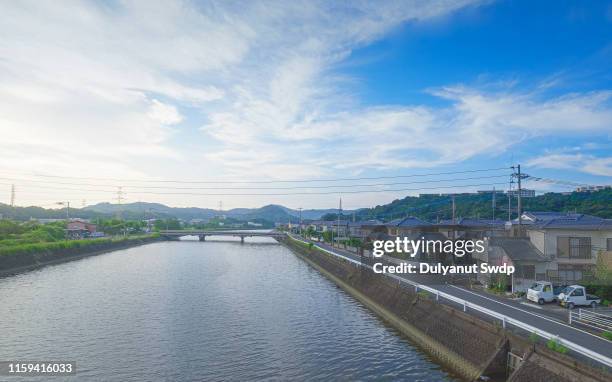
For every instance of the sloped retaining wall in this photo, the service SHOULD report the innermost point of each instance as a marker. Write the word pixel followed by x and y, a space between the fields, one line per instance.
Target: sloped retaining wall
pixel 455 340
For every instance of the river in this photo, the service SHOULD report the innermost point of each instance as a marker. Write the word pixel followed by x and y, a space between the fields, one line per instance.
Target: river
pixel 214 310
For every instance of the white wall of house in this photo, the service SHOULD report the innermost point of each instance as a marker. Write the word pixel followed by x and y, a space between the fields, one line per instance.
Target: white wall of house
pixel 598 241
pixel 547 241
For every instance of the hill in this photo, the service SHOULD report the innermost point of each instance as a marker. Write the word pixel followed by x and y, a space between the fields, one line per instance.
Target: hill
pixel 433 207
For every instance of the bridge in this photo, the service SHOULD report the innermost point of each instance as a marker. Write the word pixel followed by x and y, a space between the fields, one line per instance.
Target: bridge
pixel 177 233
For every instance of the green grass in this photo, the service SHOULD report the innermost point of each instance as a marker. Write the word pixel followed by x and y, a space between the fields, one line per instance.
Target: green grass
pixel 32 248
pixel 607 335
pixel 554 345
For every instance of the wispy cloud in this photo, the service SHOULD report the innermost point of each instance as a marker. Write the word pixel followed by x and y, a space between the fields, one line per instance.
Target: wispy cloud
pixel 121 87
pixel 581 162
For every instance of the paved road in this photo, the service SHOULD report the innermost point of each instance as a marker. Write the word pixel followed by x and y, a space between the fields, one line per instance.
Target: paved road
pixel 511 309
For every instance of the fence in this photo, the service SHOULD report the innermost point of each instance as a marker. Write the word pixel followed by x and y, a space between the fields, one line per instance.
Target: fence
pixel 599 319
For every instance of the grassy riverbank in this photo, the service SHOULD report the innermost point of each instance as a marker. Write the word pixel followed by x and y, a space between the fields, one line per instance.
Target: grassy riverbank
pixel 37 254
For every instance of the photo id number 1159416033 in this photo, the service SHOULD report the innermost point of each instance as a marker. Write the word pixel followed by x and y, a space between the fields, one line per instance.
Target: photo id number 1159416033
pixel 37 368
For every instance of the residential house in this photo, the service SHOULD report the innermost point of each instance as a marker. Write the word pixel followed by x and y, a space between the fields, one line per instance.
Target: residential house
pixel 572 241
pixel 470 228
pixel 406 226
pixel 80 228
pixel 529 262
pixel 362 229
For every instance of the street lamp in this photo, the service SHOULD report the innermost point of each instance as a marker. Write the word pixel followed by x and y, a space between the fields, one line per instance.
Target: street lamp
pixel 67 204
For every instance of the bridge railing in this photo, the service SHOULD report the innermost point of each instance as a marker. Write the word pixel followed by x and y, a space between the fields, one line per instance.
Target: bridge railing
pixel 504 319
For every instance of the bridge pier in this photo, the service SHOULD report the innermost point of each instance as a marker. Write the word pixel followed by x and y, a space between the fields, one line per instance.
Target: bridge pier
pixel 242 239
pixel 202 237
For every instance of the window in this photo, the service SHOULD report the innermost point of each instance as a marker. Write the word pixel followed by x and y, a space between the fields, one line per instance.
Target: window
pixel 526 271
pixel 548 288
pixel 578 292
pixel 574 247
pixel 573 273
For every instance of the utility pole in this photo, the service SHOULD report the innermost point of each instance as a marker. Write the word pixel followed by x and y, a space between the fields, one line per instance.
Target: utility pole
pixel 67 205
pixel 510 201
pixel 338 228
pixel 120 198
pixel 518 205
pixel 300 221
pixel 519 192
pixel 12 195
pixel 493 202
pixel 453 197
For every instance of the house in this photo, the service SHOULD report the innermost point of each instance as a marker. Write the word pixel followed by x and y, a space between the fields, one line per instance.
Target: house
pixel 572 241
pixel 362 229
pixel 529 262
pixel 470 228
pixel 80 228
pixel 406 226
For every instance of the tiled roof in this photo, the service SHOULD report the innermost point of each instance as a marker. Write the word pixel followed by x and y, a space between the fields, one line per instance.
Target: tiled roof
pixel 471 222
pixel 410 221
pixel 365 223
pixel 575 221
pixel 518 249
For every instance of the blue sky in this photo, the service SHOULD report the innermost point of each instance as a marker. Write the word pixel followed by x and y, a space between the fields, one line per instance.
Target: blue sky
pixel 138 92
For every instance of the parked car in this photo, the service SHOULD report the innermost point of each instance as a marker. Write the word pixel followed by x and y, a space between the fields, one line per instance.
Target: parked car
pixel 576 295
pixel 544 291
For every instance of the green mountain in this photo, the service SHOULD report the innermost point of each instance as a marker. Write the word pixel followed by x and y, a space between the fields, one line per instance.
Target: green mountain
pixel 143 210
pixel 434 207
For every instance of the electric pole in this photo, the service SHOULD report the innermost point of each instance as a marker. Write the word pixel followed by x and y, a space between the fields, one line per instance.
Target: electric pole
pixel 300 221
pixel 338 228
pixel 493 202
pixel 510 201
pixel 453 209
pixel 518 205
pixel 67 205
pixel 12 195
pixel 120 198
pixel 519 192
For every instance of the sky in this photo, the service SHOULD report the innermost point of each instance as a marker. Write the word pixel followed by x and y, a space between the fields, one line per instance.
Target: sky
pixel 167 99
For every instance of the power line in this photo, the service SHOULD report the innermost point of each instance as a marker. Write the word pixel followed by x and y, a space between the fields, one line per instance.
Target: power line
pixel 261 188
pixel 307 193
pixel 123 180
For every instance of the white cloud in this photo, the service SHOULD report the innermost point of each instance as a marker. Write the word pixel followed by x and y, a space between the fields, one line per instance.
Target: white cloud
pixel 581 162
pixel 118 87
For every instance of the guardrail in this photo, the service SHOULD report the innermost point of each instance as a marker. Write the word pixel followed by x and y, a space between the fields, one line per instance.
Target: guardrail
pixel 505 320
pixel 598 319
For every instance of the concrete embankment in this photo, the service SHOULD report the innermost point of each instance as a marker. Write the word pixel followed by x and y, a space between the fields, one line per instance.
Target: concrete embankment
pixel 470 347
pixel 20 262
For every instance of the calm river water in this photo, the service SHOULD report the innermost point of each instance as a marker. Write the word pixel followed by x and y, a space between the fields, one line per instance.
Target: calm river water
pixel 191 311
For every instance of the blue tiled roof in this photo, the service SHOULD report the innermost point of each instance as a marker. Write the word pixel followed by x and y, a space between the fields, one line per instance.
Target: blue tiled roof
pixel 470 222
pixel 410 221
pixel 576 221
pixel 365 223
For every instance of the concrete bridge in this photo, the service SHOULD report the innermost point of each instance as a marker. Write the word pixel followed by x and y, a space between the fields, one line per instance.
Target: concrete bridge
pixel 175 234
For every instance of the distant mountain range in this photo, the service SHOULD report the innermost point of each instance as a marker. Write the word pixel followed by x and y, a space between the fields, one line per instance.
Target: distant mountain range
pixel 142 210
pixel 272 212
pixel 427 207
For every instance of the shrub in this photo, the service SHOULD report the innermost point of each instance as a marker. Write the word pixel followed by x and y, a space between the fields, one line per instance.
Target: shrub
pixel 607 335
pixel 554 345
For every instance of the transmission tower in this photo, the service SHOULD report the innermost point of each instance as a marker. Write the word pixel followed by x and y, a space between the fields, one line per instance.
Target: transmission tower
pixel 12 195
